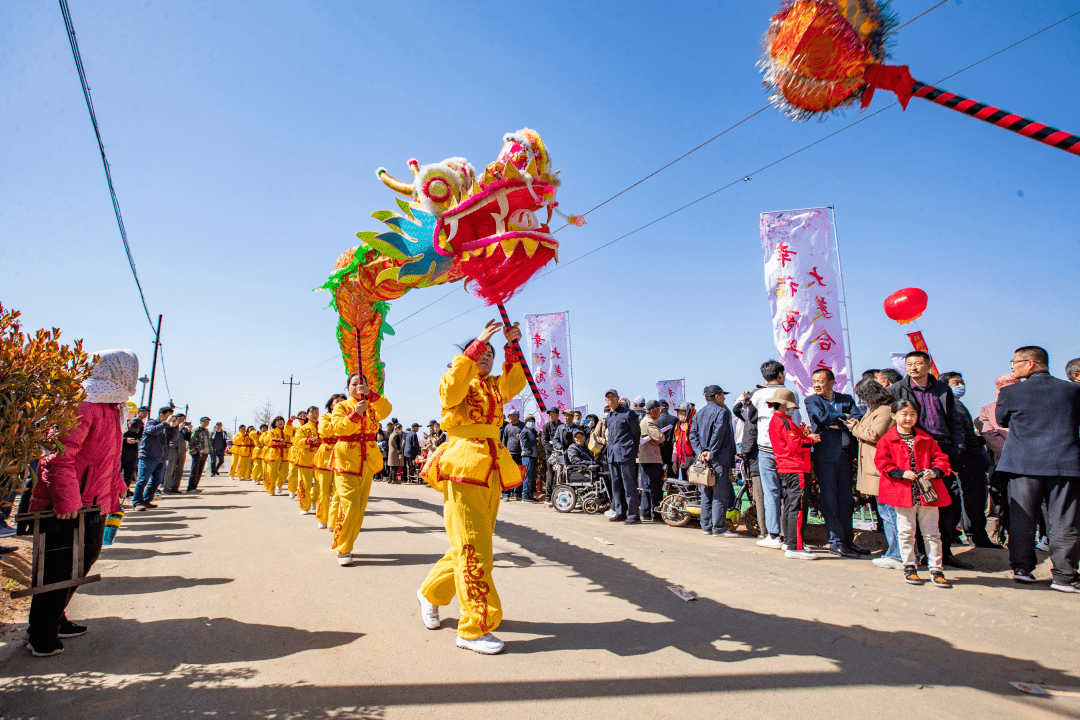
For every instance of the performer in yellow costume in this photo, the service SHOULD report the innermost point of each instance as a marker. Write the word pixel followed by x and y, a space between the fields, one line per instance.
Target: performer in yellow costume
pixel 305 444
pixel 257 467
pixel 324 458
pixel 243 458
pixel 356 460
pixel 276 446
pixel 234 452
pixel 291 426
pixel 472 469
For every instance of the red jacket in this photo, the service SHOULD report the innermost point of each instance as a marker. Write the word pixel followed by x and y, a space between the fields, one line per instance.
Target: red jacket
pixel 88 471
pixel 790 445
pixel 893 454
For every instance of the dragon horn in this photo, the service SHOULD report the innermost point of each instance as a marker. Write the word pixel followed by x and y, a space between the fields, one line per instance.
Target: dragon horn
pixel 394 184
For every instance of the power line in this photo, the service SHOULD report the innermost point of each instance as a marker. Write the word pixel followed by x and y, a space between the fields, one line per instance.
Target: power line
pixel 101 146
pixel 746 177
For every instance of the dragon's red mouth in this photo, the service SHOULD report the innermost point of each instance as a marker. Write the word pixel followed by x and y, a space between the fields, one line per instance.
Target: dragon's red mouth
pixel 497 237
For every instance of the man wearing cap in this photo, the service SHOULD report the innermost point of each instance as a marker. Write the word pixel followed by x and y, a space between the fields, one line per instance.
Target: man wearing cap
pixel 547 439
pixel 712 436
pixel 199 447
pixel 564 437
pixel 650 463
pixel 761 413
pixel 511 438
pixel 639 407
pixel 667 422
pixel 219 441
pixel 528 441
pixel 410 448
pixel 832 414
pixel 623 436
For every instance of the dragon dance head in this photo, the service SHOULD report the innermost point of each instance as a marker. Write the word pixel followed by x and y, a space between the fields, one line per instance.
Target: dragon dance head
pixel 452 226
pixel 487 226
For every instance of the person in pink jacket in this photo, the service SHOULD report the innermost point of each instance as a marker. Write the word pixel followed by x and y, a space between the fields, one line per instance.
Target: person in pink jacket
pixel 86 473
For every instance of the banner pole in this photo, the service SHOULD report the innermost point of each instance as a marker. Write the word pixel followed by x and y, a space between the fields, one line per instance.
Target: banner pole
pixel 843 300
pixel 570 352
pixel 524 365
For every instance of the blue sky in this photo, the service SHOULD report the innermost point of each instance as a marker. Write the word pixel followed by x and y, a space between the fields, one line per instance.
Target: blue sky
pixel 244 138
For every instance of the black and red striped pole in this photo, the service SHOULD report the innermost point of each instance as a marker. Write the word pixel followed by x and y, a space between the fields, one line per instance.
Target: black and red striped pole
pixel 897 78
pixel 1002 118
pixel 524 365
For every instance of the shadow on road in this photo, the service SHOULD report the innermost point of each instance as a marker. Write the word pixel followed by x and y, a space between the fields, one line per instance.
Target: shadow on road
pixel 114 552
pixel 120 585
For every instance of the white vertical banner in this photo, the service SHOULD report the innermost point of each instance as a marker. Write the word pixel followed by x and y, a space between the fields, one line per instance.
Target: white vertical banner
pixel 549 358
pixel 802 279
pixel 674 391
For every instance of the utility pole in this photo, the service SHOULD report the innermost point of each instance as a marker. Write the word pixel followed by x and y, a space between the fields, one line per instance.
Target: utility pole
pixel 235 418
pixel 153 367
pixel 290 384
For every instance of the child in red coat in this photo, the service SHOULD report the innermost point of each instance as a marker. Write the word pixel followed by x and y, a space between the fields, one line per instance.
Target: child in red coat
pixel 791 446
pixel 911 466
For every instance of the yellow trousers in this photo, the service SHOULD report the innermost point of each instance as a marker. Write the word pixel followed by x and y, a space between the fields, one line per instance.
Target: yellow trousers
pixel 256 469
pixel 243 467
pixel 273 475
pixel 324 481
pixel 292 478
pixel 234 462
pixel 469 512
pixel 347 508
pixel 304 480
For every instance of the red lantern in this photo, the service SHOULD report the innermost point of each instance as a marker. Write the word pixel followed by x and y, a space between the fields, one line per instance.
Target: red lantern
pixel 906 305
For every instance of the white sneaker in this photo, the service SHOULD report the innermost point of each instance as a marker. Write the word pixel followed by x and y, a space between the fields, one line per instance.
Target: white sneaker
pixel 305 512
pixel 784 547
pixel 322 526
pixel 1043 545
pixel 1065 587
pixel 344 559
pixel 769 542
pixel 429 612
pixel 727 534
pixel 887 562
pixel 799 555
pixel 609 513
pixel 486 644
pixel 292 496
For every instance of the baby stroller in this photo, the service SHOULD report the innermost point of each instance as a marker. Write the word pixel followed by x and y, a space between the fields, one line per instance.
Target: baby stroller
pixel 580 487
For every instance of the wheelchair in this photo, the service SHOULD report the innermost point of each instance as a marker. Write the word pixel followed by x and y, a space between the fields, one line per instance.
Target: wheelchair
pixel 580 487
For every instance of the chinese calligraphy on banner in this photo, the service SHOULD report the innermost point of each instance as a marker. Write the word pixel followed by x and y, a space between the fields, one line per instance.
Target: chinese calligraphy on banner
pixel 802 279
pixel 674 391
pixel 514 406
pixel 549 359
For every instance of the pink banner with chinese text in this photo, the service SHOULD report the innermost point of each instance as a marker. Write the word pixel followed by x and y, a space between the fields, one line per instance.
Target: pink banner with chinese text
pixel 802 279
pixel 550 358
pixel 674 391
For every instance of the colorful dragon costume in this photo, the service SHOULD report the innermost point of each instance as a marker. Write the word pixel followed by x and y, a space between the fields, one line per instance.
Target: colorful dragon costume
pixel 452 226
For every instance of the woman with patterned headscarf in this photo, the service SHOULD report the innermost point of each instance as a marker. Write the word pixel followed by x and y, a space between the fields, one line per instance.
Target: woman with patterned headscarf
pixel 87 473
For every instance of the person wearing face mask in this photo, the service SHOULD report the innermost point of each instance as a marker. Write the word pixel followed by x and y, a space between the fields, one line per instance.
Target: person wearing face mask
pixel 974 463
pixel 527 439
pixel 472 470
pixel 356 460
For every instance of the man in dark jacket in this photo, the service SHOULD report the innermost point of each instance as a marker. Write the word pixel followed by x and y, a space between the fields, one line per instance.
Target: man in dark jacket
pixel 219 441
pixel 832 414
pixel 1041 458
pixel 511 438
pixel 667 422
pixel 748 449
pixel 528 441
pixel 199 447
pixel 623 435
pixel 974 486
pixel 153 451
pixel 547 439
pixel 712 436
pixel 939 419
pixel 410 448
pixel 174 465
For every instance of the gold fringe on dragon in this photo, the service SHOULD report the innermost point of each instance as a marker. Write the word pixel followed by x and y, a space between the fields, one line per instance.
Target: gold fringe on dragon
pixel 452 226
